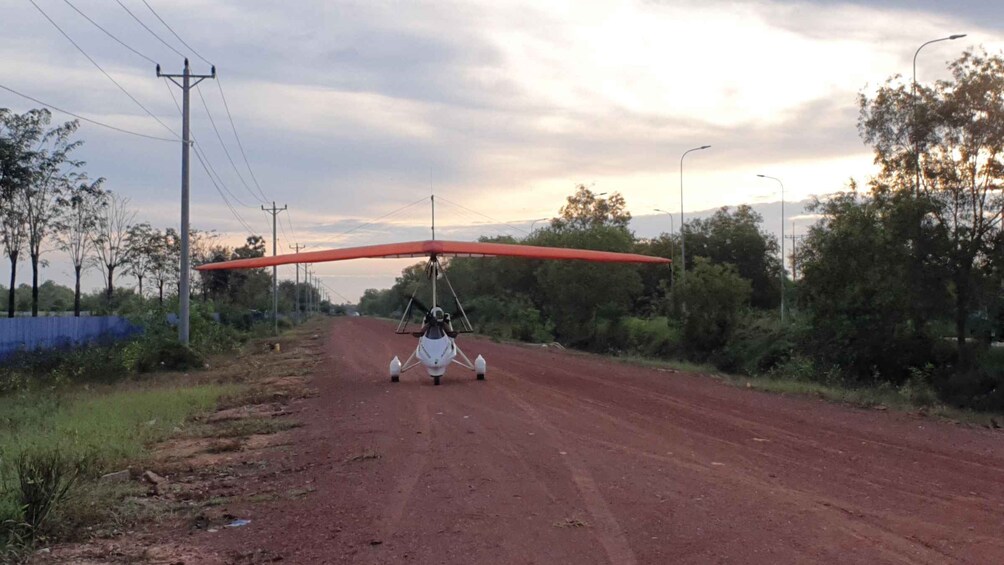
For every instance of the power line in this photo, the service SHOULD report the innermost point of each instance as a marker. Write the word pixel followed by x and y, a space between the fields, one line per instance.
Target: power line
pixel 210 171
pixel 169 28
pixel 219 84
pixel 387 215
pixel 500 222
pixel 108 33
pixel 140 22
pixel 95 63
pixel 223 145
pixel 88 120
pixel 225 201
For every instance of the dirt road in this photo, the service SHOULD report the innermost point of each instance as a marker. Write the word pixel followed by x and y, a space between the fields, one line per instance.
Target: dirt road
pixel 569 458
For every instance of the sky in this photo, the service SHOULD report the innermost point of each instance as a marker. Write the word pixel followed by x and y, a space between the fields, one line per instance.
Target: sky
pixel 355 111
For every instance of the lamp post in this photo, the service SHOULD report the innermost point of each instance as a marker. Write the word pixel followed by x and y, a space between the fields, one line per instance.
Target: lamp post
pixel 672 248
pixel 916 147
pixel 683 242
pixel 535 221
pixel 782 239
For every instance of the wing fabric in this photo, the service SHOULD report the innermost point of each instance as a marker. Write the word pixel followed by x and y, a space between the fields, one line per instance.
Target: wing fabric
pixel 437 248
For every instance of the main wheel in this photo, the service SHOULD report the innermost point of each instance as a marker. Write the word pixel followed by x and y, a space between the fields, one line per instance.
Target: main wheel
pixel 394 378
pixel 435 380
pixel 481 376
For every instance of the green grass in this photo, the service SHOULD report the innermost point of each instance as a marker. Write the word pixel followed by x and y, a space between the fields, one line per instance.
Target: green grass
pixel 91 432
pixel 861 396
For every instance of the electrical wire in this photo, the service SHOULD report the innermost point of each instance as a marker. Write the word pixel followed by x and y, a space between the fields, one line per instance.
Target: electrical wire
pixel 95 63
pixel 108 33
pixel 240 145
pixel 140 22
pixel 169 28
pixel 498 222
pixel 210 171
pixel 88 120
pixel 387 215
pixel 224 146
pixel 219 84
pixel 240 220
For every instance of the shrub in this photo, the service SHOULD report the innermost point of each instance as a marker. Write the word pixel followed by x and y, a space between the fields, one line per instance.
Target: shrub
pixel 715 296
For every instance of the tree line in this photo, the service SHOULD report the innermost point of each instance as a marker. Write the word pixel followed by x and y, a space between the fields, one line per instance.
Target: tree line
pixel 49 203
pixel 900 280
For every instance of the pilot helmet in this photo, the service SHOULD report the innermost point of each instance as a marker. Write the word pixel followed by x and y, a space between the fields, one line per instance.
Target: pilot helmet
pixel 438 314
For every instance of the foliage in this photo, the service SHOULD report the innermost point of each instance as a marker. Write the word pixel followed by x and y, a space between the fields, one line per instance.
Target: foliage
pixel 736 237
pixel 714 295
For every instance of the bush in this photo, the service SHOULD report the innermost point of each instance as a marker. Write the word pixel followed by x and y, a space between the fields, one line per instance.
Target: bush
pixel 715 296
pixel 655 337
pixel 759 343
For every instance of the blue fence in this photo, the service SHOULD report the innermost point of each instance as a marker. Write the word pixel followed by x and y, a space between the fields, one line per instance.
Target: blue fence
pixel 30 334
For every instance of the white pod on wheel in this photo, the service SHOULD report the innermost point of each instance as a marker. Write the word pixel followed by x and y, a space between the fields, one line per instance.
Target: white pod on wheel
pixel 395 369
pixel 480 367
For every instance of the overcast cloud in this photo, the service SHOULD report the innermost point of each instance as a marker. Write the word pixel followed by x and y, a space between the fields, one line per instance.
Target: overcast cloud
pixel 350 110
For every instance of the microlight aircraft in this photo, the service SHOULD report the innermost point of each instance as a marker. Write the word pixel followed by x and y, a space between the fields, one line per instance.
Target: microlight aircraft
pixel 437 347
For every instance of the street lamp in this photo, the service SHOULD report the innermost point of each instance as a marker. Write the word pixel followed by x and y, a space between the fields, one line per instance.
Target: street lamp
pixel 535 221
pixel 683 242
pixel 782 240
pixel 916 147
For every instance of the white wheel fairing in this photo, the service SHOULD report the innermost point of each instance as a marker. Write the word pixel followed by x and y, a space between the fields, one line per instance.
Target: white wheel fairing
pixel 436 354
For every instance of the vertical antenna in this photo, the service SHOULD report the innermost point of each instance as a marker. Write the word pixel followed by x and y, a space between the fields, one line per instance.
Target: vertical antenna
pixel 433 198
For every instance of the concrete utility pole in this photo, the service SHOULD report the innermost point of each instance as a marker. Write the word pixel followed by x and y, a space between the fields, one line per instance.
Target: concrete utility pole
pixel 781 184
pixel 306 283
pixel 296 290
pixel 275 273
pixel 794 251
pixel 184 286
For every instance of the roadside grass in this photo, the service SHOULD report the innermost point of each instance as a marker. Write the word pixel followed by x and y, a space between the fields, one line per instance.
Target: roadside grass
pixel 53 445
pixel 874 397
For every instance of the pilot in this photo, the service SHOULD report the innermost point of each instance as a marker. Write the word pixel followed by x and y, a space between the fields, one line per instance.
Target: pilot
pixel 440 318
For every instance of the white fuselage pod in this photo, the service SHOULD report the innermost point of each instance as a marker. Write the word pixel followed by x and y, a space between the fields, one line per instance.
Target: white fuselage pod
pixel 436 353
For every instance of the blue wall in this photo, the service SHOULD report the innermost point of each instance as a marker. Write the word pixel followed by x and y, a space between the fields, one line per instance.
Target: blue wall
pixel 28 334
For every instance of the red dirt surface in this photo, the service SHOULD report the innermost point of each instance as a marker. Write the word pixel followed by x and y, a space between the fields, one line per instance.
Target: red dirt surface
pixel 569 458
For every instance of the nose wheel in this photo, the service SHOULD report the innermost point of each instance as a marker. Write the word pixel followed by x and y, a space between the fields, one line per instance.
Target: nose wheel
pixel 435 381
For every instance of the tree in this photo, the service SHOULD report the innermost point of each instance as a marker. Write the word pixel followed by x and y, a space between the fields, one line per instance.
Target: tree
pixel 867 313
pixel 165 259
pixel 584 210
pixel 736 237
pixel 78 217
pixel 19 136
pixel 50 180
pixel 141 246
pixel 958 127
pixel 109 237
pixel 716 296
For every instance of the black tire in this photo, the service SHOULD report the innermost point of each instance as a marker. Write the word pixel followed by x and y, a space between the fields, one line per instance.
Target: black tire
pixel 481 376
pixel 435 381
pixel 395 378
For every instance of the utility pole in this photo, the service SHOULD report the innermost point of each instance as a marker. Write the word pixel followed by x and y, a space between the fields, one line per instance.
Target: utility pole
pixel 794 251
pixel 184 286
pixel 275 273
pixel 306 283
pixel 296 289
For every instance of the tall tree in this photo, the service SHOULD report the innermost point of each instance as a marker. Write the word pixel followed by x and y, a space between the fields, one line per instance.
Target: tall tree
pixel 958 127
pixel 584 209
pixel 165 260
pixel 737 237
pixel 19 137
pixel 78 217
pixel 50 179
pixel 109 237
pixel 141 246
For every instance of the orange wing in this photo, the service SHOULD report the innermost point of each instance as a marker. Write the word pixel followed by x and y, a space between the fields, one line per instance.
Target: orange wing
pixel 435 248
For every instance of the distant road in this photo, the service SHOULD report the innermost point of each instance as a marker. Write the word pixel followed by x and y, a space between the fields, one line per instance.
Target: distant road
pixel 568 458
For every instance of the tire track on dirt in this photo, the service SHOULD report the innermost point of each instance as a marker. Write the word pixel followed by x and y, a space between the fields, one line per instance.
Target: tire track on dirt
pixel 608 531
